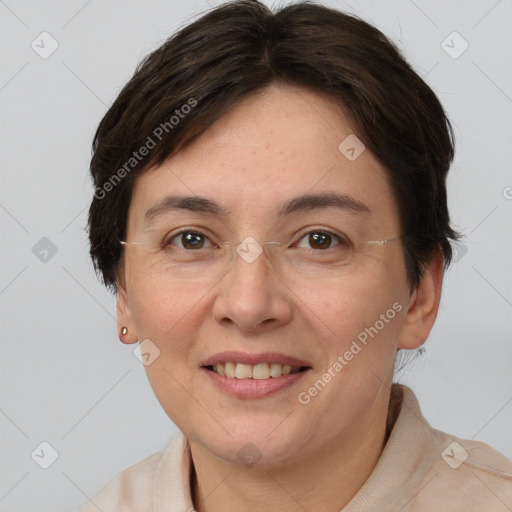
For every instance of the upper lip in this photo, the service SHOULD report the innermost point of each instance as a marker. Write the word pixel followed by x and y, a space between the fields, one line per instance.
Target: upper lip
pixel 261 357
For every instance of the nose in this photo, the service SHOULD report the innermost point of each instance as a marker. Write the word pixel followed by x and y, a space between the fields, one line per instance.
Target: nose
pixel 251 295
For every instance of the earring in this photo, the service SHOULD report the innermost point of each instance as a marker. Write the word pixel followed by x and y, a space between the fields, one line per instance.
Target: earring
pixel 124 330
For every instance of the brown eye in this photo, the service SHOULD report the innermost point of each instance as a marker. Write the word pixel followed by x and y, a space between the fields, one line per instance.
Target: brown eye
pixel 190 240
pixel 322 240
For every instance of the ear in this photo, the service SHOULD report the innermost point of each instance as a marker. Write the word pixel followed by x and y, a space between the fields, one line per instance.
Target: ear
pixel 124 318
pixel 423 306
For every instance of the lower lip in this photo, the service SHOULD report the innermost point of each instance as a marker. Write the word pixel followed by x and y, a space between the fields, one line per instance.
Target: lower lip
pixel 254 388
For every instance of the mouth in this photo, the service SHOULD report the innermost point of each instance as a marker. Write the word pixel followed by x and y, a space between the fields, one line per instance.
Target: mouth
pixel 260 371
pixel 254 375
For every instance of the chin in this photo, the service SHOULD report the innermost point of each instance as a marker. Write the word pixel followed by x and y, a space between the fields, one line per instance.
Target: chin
pixel 265 446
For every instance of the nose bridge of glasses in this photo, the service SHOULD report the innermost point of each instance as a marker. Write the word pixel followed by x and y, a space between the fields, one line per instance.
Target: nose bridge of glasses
pixel 249 249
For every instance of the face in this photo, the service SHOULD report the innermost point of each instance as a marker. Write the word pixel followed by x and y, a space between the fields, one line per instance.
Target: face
pixel 339 324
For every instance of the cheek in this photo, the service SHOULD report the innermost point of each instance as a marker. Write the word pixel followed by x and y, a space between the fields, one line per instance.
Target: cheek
pixel 163 313
pixel 166 317
pixel 357 318
pixel 352 303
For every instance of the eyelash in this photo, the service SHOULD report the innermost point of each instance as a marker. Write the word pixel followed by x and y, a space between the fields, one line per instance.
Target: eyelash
pixel 341 240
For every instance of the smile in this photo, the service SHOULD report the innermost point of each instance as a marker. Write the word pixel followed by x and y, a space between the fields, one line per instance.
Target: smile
pixel 260 371
pixel 258 375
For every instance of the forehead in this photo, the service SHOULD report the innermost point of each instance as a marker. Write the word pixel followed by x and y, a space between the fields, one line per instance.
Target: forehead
pixel 279 143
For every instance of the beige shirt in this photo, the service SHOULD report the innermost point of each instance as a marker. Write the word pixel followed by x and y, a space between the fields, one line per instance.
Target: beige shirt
pixel 420 469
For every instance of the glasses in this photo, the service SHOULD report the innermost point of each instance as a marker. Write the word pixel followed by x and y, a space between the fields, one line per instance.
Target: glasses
pixel 190 254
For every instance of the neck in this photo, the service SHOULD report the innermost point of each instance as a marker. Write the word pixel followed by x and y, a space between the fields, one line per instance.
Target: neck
pixel 324 480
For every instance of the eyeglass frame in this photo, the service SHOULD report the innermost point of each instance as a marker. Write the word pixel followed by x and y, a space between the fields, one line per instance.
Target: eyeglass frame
pixel 250 240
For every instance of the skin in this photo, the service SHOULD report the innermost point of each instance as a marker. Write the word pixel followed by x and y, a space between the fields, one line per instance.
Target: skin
pixel 277 144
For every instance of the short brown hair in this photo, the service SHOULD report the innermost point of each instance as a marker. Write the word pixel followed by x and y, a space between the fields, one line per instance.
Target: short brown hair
pixel 242 46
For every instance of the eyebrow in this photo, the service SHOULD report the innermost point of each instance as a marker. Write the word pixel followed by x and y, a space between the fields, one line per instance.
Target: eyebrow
pixel 305 202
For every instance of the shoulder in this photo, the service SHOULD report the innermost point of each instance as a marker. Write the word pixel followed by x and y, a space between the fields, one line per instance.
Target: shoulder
pixel 133 488
pixel 434 470
pixel 469 473
pixel 457 474
pixel 129 490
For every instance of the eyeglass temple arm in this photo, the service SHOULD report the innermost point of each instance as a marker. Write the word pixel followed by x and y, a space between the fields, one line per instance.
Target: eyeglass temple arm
pixel 377 242
pixel 383 242
pixel 123 242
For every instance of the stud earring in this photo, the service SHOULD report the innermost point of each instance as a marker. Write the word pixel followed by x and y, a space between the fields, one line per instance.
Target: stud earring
pixel 124 330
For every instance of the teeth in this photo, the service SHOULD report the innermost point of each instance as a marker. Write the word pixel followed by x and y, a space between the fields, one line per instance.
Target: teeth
pixel 229 369
pixel 276 370
pixel 259 371
pixel 243 371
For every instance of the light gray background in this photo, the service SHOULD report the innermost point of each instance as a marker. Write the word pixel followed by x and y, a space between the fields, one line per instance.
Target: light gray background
pixel 65 377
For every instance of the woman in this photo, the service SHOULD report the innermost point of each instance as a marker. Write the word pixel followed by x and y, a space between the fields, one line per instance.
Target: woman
pixel 270 209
